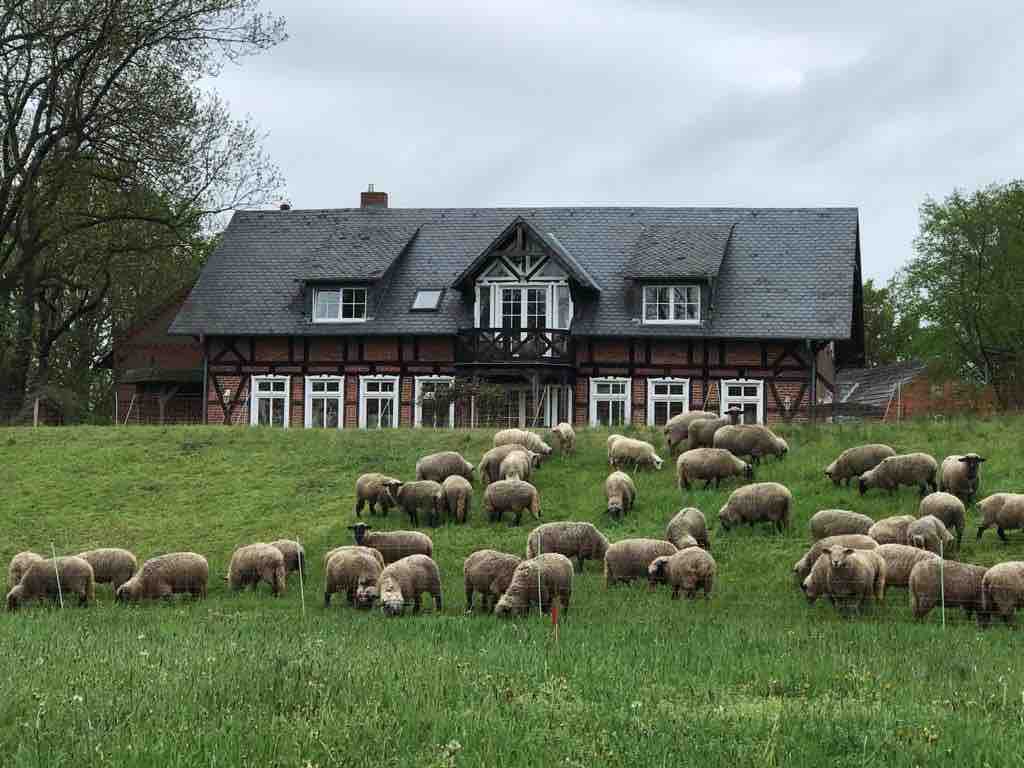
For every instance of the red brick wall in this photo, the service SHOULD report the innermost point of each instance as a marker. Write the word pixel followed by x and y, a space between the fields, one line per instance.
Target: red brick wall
pixel 385 349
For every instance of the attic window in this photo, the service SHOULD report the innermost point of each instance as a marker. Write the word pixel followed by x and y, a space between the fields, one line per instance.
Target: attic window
pixel 427 301
pixel 679 304
pixel 339 305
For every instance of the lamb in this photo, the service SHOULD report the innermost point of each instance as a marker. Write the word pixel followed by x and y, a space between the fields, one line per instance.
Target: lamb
pixel 19 564
pixel 639 453
pixel 929 533
pixel 564 436
pixel 166 575
pixel 518 465
pixel 404 581
pixel 488 572
pixel 440 466
pixel 855 576
pixel 522 437
pixel 294 555
pixel 1003 510
pixel 759 502
pixel 422 494
pixel 254 563
pixel 854 462
pixel 375 554
pixel 490 462
pixel 836 522
pixel 458 497
pixel 892 530
pixel 73 574
pixel 630 558
pixel 677 429
pixel 959 586
pixel 802 567
pixel 356 573
pixel 959 475
pixel 688 522
pixel 393 545
pixel 752 440
pixel 685 571
pixel 906 469
pixel 538 580
pixel 900 560
pixel 511 496
pixel 579 540
pixel 376 489
pixel 1002 589
pixel 948 508
pixel 709 464
pixel 110 565
pixel 621 494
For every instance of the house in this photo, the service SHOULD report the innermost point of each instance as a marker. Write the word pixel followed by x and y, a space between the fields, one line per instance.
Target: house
pixel 349 318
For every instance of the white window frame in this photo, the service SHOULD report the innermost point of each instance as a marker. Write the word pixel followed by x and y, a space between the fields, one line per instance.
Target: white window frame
pixel 308 409
pixel 418 391
pixel 672 306
pixel 725 401
pixel 255 397
pixel 363 381
pixel 652 398
pixel 341 297
pixel 627 397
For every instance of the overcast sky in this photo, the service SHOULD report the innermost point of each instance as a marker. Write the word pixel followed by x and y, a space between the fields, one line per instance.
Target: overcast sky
pixel 643 102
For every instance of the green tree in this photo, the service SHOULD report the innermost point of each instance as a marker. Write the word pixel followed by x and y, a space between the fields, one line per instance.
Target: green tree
pixel 890 332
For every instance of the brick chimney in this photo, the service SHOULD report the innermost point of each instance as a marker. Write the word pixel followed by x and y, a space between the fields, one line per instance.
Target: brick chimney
pixel 371 199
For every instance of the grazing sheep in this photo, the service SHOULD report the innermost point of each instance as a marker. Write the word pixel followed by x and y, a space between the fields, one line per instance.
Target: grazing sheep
pixel 621 494
pixel 110 565
pixel 691 522
pixel 294 555
pixel 579 540
pixel 490 462
pixel 759 502
pixel 458 497
pixel 375 554
pixel 393 545
pixel 929 533
pixel 531 440
pixel 815 584
pixel 537 581
pixel 639 453
pixel 836 522
pixel 854 462
pixel 701 433
pixel 52 579
pixel 1002 589
pixel 900 560
pixel 422 494
pixel 564 436
pixel 855 576
pixel 906 469
pixel 630 558
pixel 1003 510
pixel 518 465
pixel 751 440
pixel 709 464
pixel 511 496
pixel 685 571
pixel 19 564
pixel 405 581
pixel 254 563
pixel 958 587
pixel 677 429
pixel 376 489
pixel 948 508
pixel 892 530
pixel 610 442
pixel 488 572
pixel 356 573
pixel 959 475
pixel 166 575
pixel 440 466
pixel 802 567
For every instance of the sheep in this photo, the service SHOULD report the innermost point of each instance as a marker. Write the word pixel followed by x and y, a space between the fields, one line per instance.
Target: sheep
pixel 855 576
pixel 294 555
pixel 564 436
pixel 521 436
pixel 686 571
pixel 376 489
pixel 836 522
pixel 948 508
pixel 538 580
pixel 488 572
pixel 677 429
pixel 610 442
pixel 518 465
pixel 422 494
pixel 404 581
pixel 802 567
pixel 929 533
pixel 621 494
pixel 576 540
pixel 254 563
pixel 458 497
pixel 19 564
pixel 639 453
pixel 701 433
pixel 1003 510
pixel 375 554
pixel 691 522
pixel 440 466
pixel 900 560
pixel 959 586
pixel 709 464
pixel 511 496
pixel 490 462
pixel 630 558
pixel 959 475
pixel 752 440
pixel 906 469
pixel 815 584
pixel 892 530
pixel 166 575
pixel 854 462
pixel 393 545
pixel 53 579
pixel 759 502
pixel 356 573
pixel 110 565
pixel 1002 589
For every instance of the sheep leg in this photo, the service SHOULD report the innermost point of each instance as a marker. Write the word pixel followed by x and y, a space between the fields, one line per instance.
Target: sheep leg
pixel 437 601
pixel 707 484
pixel 579 563
pixel 417 603
pixel 1002 535
pixel 327 599
pixel 675 592
pixel 469 599
pixel 981 530
pixel 518 517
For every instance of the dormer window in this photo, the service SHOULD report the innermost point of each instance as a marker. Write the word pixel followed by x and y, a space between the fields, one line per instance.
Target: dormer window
pixel 339 305
pixel 672 304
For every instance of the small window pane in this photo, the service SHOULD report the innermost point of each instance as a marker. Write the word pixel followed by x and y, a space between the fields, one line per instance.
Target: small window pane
pixel 735 391
pixel 373 386
pixel 426 300
pixel 278 386
pixel 332 412
pixel 327 304
pixel 353 303
pixel 263 386
pixel 750 391
pixel 749 413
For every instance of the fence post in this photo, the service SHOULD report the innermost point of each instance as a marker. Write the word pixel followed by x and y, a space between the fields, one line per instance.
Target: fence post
pixel 35 413
pixel 942 581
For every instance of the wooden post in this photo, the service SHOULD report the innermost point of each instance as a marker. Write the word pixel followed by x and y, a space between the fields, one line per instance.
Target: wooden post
pixel 35 413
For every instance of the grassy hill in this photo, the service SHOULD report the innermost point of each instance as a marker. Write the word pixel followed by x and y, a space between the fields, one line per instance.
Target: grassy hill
pixel 752 677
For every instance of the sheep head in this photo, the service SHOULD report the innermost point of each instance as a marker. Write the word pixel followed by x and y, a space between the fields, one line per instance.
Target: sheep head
pixel 839 556
pixel 656 571
pixel 367 592
pixel 359 531
pixel 748 470
pixel 830 473
pixel 972 460
pixel 392 602
pixel 14 598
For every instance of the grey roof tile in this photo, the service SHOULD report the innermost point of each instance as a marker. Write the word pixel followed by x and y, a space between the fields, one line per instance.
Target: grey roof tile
pixel 672 252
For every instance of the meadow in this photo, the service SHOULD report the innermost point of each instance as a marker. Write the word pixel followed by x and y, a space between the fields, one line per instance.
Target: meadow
pixel 752 677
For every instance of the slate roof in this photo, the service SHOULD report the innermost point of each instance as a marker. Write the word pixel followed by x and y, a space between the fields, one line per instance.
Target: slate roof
pixel 785 273
pixel 358 253
pixel 875 386
pixel 667 252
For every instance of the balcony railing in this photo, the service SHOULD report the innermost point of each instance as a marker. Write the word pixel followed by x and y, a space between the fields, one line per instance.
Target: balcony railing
pixel 514 345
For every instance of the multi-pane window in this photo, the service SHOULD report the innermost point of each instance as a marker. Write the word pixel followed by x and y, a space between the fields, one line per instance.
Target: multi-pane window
pixel 339 305
pixel 429 411
pixel 666 398
pixel 747 396
pixel 536 307
pixel 378 402
pixel 325 401
pixel 268 401
pixel 671 304
pixel 609 402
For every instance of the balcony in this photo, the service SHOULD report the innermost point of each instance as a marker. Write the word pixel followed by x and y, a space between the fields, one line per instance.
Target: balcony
pixel 514 346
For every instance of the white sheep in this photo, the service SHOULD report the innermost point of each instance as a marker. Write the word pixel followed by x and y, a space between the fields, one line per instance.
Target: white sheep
pixel 626 450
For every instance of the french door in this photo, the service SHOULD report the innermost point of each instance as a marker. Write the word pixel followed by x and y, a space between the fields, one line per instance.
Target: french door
pixel 523 307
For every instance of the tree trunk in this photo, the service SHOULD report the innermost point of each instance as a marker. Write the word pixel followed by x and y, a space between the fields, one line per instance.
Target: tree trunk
pixel 12 397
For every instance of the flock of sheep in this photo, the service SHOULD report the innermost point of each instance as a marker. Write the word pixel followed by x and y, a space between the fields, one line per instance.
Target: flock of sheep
pixel 852 559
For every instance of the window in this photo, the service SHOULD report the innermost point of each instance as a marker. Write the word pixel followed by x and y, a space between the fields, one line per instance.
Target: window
pixel 339 305
pixel 325 402
pixel 426 301
pixel 378 402
pixel 558 404
pixel 609 402
pixel 745 394
pixel 672 304
pixel 268 401
pixel 666 398
pixel 427 414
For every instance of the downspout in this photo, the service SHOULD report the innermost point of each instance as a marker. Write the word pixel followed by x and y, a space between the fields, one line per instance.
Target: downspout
pixel 813 390
pixel 206 396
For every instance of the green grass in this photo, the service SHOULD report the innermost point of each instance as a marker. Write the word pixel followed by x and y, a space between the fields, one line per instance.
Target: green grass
pixel 753 677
